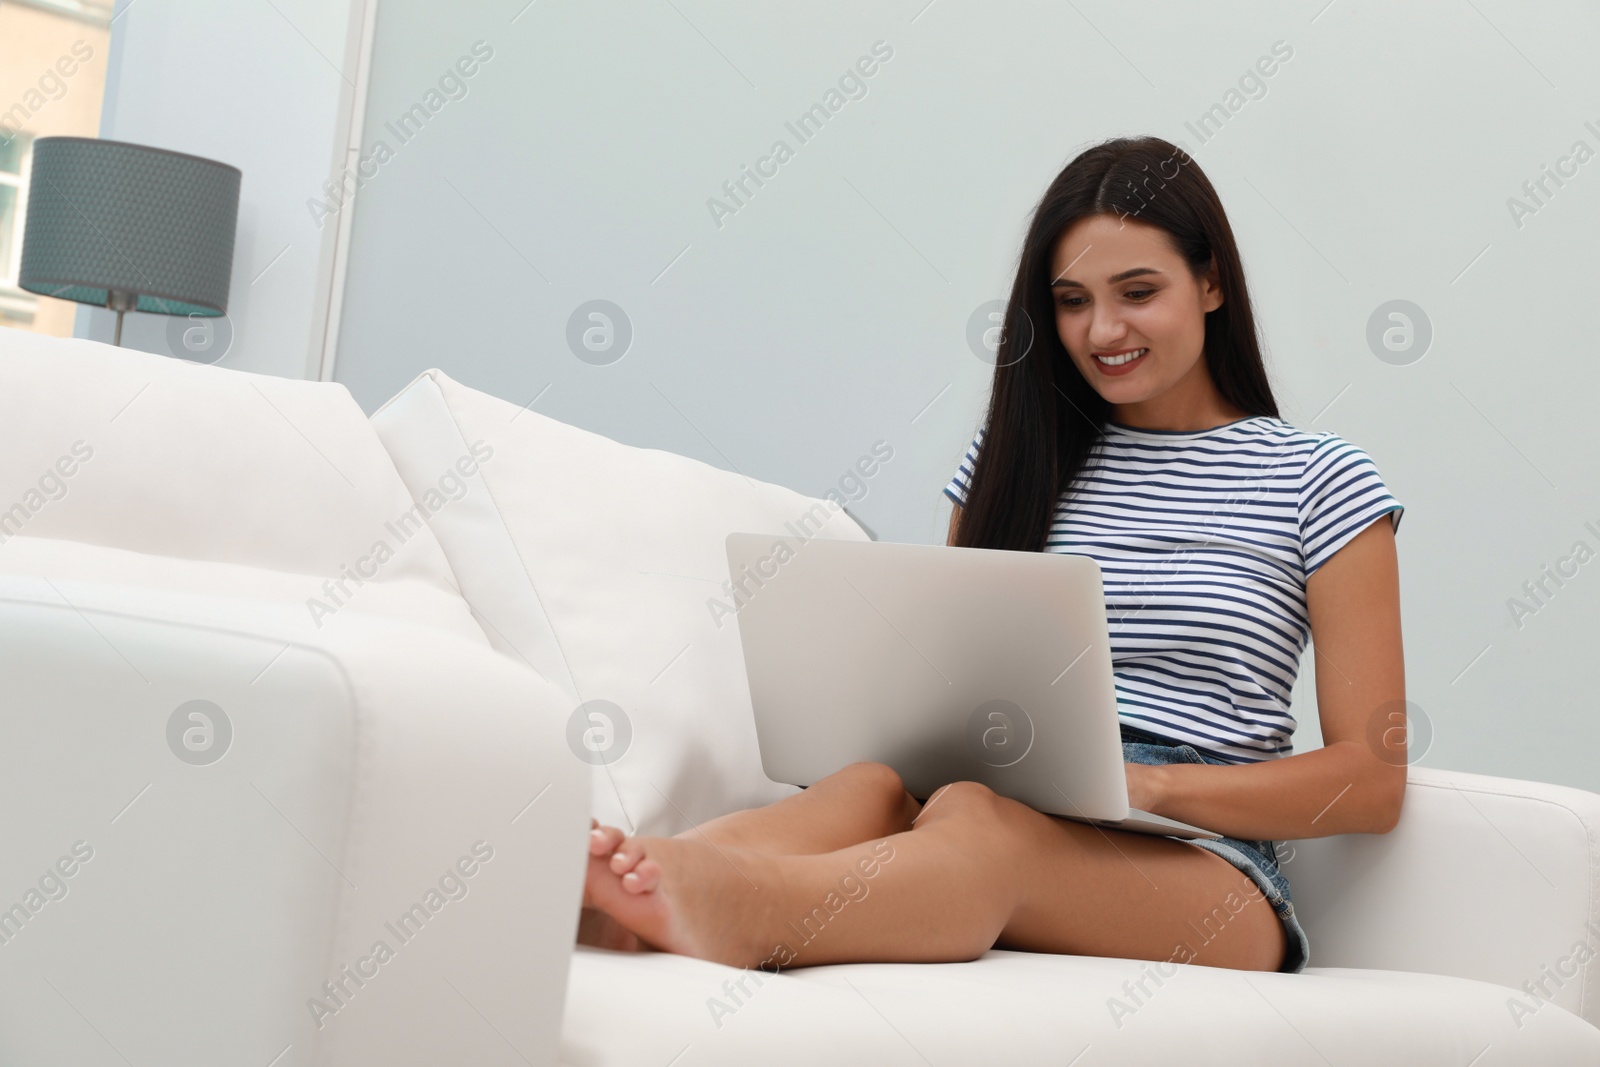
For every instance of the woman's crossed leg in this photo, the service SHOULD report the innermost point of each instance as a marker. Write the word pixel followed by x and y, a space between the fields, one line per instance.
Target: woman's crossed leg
pixel 854 870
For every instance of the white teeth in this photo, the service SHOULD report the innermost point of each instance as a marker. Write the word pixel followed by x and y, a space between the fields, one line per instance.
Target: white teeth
pixel 1117 361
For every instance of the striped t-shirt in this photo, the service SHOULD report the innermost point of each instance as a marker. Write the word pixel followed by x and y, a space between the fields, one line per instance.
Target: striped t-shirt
pixel 1205 540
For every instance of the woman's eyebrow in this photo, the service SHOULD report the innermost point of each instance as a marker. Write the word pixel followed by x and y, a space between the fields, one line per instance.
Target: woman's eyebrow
pixel 1124 276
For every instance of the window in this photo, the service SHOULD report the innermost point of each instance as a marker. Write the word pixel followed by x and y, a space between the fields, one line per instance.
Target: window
pixel 16 155
pixel 52 80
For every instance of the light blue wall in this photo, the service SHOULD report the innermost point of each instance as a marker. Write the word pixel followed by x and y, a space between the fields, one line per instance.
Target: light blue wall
pixel 257 86
pixel 832 310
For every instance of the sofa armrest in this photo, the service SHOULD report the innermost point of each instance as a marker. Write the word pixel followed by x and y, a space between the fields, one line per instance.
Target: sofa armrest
pixel 1488 878
pixel 384 784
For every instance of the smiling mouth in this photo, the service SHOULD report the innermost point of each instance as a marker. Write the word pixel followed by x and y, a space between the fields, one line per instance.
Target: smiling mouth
pixel 1121 359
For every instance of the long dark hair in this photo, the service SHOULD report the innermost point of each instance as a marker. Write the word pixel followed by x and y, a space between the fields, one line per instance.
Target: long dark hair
pixel 1044 418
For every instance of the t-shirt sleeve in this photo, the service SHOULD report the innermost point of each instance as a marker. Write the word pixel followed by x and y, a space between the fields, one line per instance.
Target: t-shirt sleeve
pixel 1341 493
pixel 957 489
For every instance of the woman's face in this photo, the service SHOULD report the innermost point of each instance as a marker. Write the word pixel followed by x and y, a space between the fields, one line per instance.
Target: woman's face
pixel 1120 287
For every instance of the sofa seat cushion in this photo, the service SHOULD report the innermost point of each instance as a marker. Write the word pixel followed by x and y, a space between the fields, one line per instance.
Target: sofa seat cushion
pixel 1023 1008
pixel 604 566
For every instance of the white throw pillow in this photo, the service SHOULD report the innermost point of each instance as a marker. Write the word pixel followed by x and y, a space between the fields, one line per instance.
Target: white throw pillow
pixel 154 455
pixel 603 566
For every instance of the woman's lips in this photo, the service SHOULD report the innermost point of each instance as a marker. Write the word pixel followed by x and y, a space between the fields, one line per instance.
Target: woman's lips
pixel 1114 369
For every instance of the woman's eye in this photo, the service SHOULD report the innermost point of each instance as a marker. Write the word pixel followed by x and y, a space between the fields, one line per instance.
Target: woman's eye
pixel 1078 301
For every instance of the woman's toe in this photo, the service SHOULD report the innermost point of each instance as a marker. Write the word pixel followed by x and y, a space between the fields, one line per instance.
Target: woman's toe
pixel 626 856
pixel 644 877
pixel 603 840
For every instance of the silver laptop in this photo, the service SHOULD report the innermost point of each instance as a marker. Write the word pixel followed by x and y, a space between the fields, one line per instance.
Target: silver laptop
pixel 947 664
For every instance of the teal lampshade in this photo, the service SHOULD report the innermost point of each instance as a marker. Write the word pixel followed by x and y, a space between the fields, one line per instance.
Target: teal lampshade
pixel 128 226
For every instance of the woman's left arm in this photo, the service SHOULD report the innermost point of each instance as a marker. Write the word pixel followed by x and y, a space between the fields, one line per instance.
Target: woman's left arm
pixel 1356 782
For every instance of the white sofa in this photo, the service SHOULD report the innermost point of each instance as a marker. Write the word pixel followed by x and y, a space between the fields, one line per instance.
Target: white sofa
pixel 283 684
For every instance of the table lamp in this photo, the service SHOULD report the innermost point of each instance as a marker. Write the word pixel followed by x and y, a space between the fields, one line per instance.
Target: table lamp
pixel 129 227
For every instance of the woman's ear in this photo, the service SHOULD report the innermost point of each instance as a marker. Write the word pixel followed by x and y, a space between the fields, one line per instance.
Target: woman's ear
pixel 1210 288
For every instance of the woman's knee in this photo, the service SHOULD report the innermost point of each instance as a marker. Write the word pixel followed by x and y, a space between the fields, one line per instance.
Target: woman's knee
pixel 878 778
pixel 991 829
pixel 968 801
pixel 877 785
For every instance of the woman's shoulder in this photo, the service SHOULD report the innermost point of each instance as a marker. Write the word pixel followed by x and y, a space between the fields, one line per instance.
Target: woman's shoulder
pixel 1279 433
pixel 1319 448
pixel 1311 457
pixel 1275 429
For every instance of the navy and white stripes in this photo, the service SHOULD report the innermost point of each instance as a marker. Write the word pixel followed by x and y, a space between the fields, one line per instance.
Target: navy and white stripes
pixel 1205 540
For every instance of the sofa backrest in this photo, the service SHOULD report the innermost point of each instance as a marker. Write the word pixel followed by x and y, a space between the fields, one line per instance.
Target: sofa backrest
pixel 603 566
pixel 128 450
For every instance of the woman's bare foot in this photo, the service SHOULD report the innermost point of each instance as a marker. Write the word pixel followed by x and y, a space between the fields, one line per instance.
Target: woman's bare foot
pixel 687 896
pixel 595 928
pixel 599 930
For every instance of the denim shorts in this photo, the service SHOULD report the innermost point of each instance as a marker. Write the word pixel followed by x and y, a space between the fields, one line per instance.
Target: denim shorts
pixel 1257 859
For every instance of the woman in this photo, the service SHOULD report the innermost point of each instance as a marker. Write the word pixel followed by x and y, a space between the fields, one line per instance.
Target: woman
pixel 1140 431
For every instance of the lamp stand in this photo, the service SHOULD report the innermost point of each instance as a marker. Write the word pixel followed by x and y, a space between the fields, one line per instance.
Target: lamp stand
pixel 120 301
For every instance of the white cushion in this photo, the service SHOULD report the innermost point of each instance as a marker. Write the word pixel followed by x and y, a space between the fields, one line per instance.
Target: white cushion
pixel 130 450
pixel 1024 1008
pixel 598 563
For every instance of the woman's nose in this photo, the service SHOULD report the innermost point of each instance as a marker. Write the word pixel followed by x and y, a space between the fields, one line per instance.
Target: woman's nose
pixel 1106 333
